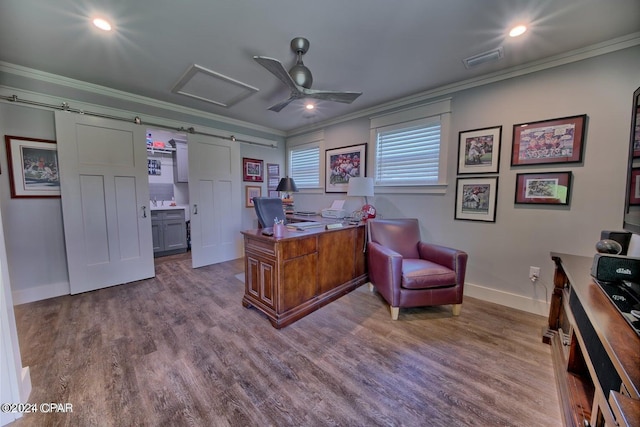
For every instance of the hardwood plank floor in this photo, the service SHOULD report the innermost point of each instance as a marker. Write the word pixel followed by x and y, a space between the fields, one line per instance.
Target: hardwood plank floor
pixel 179 349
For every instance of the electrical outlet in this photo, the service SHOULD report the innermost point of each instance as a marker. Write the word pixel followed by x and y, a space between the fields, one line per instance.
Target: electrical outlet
pixel 534 273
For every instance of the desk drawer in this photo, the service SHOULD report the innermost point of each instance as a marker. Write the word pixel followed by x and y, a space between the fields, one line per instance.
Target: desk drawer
pixel 299 247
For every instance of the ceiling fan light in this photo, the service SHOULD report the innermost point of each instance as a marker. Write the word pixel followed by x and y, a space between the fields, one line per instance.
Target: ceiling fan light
pixel 518 30
pixel 102 24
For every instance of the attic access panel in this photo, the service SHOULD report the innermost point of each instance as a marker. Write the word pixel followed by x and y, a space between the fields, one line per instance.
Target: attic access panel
pixel 215 88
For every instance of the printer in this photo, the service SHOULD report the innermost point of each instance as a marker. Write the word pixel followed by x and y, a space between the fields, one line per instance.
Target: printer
pixel 335 211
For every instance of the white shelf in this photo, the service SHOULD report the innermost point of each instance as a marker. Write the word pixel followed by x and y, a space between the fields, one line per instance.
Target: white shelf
pixel 166 150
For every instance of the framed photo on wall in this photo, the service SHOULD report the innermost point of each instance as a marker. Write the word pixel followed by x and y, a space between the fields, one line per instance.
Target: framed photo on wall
pixel 634 189
pixel 342 164
pixel 545 188
pixel 479 150
pixel 251 192
pixel 549 141
pixel 273 176
pixel 154 167
pixel 636 132
pixel 33 167
pixel 252 170
pixel 476 199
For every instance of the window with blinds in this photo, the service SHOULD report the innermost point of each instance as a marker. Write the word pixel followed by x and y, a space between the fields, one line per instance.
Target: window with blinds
pixel 408 153
pixel 305 166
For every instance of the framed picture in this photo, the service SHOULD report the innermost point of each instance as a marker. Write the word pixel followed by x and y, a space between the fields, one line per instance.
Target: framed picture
pixel 154 167
pixel 252 170
pixel 251 192
pixel 33 167
pixel 549 141
pixel 545 188
pixel 636 133
pixel 273 176
pixel 476 199
pixel 479 150
pixel 342 164
pixel 634 193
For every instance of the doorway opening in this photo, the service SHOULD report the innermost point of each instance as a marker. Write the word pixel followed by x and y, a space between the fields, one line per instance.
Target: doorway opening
pixel 168 170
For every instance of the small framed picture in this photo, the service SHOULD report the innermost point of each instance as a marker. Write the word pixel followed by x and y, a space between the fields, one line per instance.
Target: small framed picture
pixel 545 188
pixel 634 188
pixel 636 132
pixel 273 176
pixel 479 150
pixel 476 199
pixel 549 141
pixel 252 170
pixel 154 167
pixel 252 191
pixel 342 164
pixel 33 167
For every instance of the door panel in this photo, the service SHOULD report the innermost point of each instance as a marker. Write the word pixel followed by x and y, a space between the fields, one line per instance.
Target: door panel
pixel 94 219
pixel 125 207
pixel 105 193
pixel 214 193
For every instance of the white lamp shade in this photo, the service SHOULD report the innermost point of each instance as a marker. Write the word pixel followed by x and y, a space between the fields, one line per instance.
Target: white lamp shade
pixel 360 186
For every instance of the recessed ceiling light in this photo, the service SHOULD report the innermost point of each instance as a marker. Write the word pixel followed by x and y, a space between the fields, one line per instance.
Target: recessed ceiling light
pixel 518 30
pixel 103 24
pixel 309 106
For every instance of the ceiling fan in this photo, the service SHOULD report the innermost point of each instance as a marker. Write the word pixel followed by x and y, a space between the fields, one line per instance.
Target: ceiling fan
pixel 298 79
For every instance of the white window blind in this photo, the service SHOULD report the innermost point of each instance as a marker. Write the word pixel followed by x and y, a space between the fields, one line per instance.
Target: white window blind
pixel 409 153
pixel 305 167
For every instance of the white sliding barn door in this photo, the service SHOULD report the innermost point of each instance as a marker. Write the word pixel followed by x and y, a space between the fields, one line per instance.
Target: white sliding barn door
pixel 105 197
pixel 214 194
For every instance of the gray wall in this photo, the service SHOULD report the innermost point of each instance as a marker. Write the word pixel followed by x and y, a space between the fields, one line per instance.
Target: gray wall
pixel 34 236
pixel 500 253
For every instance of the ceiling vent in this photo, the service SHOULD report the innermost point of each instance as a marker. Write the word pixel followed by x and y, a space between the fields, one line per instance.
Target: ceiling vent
pixel 208 86
pixel 481 58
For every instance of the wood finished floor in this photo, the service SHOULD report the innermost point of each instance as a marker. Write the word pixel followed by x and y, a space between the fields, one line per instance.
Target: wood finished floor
pixel 179 349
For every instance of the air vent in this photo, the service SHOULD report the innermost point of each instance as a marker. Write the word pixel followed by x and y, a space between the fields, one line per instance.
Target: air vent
pixel 207 85
pixel 481 58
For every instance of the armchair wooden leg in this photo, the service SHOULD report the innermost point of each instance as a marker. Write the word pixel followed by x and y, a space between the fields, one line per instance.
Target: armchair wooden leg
pixel 456 309
pixel 395 311
pixel 371 288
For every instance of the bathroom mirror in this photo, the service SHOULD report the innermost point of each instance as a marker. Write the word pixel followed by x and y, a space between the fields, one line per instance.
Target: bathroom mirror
pixel 632 199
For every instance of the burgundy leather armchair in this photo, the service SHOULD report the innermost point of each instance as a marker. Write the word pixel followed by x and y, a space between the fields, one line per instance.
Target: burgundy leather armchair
pixel 410 273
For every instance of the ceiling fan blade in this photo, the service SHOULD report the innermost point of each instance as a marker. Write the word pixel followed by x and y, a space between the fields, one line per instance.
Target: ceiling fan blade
pixel 276 68
pixel 328 95
pixel 280 105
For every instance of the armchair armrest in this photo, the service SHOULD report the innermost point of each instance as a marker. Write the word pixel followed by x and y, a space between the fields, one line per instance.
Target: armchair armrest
pixel 385 269
pixel 451 258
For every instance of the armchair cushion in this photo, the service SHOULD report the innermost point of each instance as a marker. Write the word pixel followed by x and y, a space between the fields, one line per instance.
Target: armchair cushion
pixel 421 274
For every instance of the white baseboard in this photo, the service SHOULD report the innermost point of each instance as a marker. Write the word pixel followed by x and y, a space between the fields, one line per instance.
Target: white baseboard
pixel 52 290
pixel 25 385
pixel 508 299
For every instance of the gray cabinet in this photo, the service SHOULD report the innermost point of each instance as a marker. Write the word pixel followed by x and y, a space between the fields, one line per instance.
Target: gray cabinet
pixel 180 162
pixel 169 232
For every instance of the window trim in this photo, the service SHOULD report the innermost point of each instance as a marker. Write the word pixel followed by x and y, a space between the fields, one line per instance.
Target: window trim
pixel 441 109
pixel 305 141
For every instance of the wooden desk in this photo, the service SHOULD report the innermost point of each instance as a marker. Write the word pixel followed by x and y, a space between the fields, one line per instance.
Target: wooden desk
pixel 291 276
pixel 596 353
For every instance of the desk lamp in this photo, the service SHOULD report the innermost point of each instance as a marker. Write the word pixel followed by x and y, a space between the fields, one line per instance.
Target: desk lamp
pixel 362 187
pixel 287 185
